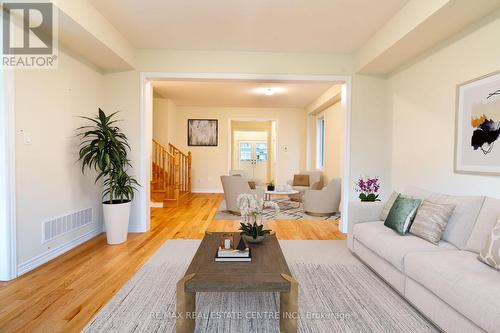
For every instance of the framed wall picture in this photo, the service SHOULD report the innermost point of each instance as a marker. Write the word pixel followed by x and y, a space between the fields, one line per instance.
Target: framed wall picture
pixel 203 132
pixel 477 139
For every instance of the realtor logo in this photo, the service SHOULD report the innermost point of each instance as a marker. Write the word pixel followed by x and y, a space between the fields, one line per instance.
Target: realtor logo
pixel 29 35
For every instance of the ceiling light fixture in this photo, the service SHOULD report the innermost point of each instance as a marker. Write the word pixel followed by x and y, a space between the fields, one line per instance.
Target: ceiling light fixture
pixel 269 91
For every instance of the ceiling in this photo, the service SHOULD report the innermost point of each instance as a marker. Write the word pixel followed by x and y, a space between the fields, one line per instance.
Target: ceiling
pixel 340 26
pixel 241 93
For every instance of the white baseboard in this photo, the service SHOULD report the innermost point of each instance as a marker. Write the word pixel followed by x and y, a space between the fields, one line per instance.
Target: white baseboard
pixel 203 190
pixel 56 251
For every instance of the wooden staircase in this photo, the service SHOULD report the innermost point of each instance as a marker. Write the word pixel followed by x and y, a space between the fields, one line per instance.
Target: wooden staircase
pixel 171 175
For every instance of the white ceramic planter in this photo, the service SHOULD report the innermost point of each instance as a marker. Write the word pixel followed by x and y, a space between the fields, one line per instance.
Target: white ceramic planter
pixel 116 218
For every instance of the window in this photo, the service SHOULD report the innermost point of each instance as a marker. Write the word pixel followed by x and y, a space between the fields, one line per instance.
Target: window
pixel 320 144
pixel 245 151
pixel 261 151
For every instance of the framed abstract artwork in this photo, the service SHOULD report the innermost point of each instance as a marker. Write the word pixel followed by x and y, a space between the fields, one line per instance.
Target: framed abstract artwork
pixel 477 138
pixel 203 132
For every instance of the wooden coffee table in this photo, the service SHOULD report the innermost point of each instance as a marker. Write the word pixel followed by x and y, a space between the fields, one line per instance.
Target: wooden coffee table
pixel 267 272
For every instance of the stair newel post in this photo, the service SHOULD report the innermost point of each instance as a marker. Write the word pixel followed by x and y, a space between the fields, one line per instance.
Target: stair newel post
pixel 177 179
pixel 189 171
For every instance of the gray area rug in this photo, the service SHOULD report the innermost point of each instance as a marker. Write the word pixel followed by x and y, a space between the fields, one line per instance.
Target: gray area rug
pixel 337 294
pixel 289 210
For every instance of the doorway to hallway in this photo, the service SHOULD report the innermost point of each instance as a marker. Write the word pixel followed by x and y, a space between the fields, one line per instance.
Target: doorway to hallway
pixel 253 147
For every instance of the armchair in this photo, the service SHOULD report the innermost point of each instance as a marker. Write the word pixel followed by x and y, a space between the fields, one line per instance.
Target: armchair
pixel 234 186
pixel 315 183
pixel 323 202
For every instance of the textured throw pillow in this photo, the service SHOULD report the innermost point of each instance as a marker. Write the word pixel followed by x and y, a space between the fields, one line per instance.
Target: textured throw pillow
pixel 301 180
pixel 388 205
pixel 490 255
pixel 402 213
pixel 430 221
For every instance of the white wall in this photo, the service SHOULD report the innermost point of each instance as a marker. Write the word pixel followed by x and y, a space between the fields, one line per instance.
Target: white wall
pixel 370 132
pixel 49 182
pixel 334 141
pixel 211 162
pixel 164 124
pixel 422 98
pixel 122 92
pixel 160 120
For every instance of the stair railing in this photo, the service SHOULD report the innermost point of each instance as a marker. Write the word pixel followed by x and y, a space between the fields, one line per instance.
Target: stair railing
pixel 171 170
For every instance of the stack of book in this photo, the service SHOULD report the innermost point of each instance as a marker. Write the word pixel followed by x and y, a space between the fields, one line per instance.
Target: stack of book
pixel 233 255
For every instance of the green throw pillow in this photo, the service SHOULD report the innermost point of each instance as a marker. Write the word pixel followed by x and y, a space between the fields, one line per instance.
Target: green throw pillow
pixel 402 213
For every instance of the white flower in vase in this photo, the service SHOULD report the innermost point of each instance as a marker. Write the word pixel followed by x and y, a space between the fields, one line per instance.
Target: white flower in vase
pixel 252 210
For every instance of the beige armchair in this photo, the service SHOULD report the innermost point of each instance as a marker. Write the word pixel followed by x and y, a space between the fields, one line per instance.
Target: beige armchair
pixel 315 183
pixel 234 186
pixel 323 202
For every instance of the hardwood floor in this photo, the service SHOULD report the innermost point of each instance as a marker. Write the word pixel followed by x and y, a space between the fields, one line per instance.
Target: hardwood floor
pixel 64 294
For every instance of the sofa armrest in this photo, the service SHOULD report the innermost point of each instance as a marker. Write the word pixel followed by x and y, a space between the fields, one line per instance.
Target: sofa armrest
pixel 360 212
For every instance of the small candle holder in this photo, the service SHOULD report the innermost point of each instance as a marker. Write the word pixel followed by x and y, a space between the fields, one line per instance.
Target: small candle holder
pixel 227 241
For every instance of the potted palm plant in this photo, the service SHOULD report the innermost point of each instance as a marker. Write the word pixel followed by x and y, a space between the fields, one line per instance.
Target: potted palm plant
pixel 104 148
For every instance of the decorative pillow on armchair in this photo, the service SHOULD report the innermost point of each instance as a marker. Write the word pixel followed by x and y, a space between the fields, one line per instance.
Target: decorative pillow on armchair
pixel 301 180
pixel 490 255
pixel 402 214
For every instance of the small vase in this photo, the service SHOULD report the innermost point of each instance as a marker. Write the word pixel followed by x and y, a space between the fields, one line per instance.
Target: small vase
pixel 270 187
pixel 252 240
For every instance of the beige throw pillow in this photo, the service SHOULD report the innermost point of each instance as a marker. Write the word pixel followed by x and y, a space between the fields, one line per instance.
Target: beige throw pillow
pixel 490 254
pixel 301 180
pixel 388 205
pixel 431 220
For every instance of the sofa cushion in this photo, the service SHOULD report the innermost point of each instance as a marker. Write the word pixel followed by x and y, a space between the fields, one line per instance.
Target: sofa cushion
pixel 391 246
pixel 485 222
pixel 461 222
pixel 420 193
pixel 301 188
pixel 458 278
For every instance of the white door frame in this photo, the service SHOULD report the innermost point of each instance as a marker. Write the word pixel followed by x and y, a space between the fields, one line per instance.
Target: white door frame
pixel 8 257
pixel 146 127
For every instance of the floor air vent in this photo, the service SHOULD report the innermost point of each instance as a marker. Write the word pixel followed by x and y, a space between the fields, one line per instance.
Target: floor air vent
pixel 62 225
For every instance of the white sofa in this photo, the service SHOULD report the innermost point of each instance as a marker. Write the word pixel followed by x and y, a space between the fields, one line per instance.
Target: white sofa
pixel 446 283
